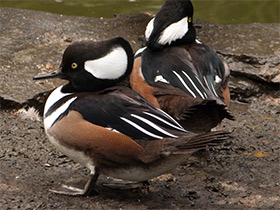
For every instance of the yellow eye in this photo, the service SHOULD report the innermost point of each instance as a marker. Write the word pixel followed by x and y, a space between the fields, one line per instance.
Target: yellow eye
pixel 190 19
pixel 74 65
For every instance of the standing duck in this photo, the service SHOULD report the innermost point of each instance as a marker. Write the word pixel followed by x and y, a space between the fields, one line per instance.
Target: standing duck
pixel 111 129
pixel 180 75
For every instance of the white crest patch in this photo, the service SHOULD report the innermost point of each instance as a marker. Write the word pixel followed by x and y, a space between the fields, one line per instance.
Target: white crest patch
pixel 149 29
pixel 174 31
pixel 111 66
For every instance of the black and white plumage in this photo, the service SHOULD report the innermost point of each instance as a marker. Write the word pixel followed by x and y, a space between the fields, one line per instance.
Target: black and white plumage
pixel 172 25
pixel 196 69
pixel 118 109
pixel 110 129
pixel 174 63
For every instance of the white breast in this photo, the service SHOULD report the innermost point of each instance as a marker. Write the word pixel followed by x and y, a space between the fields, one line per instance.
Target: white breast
pixel 77 156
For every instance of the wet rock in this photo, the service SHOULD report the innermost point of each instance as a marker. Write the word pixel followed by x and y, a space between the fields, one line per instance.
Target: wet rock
pixel 241 174
pixel 247 48
pixel 241 39
pixel 260 69
pixel 33 42
pixel 244 89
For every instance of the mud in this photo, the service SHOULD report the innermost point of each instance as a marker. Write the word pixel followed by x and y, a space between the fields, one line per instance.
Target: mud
pixel 243 173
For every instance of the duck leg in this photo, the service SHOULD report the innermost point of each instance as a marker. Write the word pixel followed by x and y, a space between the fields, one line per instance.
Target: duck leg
pixel 75 191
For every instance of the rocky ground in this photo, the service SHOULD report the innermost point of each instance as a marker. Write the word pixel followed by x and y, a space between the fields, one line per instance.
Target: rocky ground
pixel 241 174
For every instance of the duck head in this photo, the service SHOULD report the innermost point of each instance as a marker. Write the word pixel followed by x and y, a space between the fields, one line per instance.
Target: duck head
pixel 91 65
pixel 172 25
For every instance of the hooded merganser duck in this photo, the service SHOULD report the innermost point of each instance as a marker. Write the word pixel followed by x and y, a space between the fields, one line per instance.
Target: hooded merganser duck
pixel 180 75
pixel 111 129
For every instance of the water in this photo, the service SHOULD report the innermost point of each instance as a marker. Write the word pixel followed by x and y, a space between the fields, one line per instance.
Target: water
pixel 215 11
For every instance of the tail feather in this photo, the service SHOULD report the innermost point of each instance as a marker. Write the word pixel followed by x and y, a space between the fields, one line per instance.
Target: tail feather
pixel 189 144
pixel 194 114
pixel 204 116
pixel 210 105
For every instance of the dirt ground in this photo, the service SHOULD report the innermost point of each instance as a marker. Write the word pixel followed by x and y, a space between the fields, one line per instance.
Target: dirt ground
pixel 243 173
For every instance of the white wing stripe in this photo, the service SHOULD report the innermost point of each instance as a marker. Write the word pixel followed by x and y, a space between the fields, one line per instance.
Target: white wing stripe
pixel 141 129
pixel 205 80
pixel 153 125
pixel 170 118
pixel 164 121
pixel 183 82
pixel 202 96
pixel 212 87
pixel 204 92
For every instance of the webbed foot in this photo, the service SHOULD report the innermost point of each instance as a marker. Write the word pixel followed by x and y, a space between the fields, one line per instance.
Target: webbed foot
pixel 88 189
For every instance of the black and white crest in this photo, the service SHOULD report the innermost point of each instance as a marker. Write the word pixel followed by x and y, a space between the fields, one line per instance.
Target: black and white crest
pixel 91 65
pixel 171 25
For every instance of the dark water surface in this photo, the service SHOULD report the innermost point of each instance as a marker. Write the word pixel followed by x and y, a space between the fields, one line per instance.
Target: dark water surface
pixel 215 11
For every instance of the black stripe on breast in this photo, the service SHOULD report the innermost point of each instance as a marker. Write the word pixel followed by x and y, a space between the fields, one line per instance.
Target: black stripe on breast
pixel 57 104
